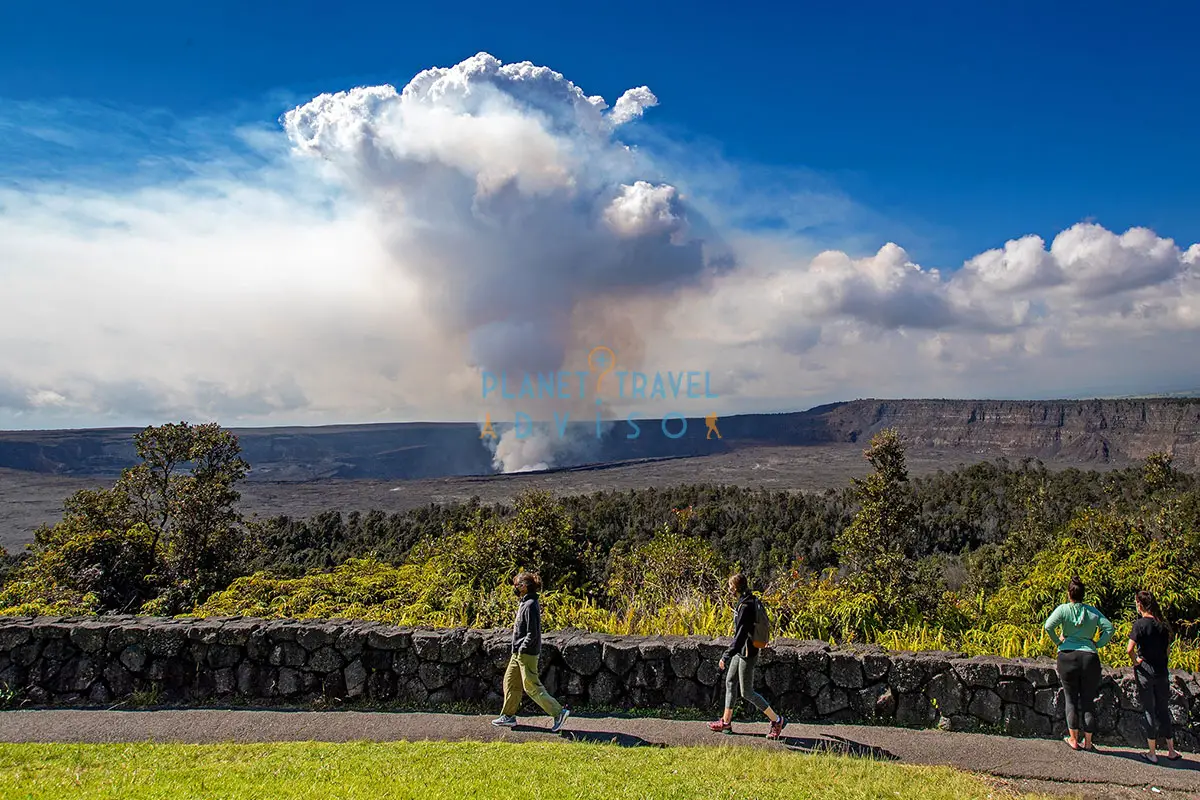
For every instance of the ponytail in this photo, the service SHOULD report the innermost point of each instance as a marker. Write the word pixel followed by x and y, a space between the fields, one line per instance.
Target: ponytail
pixel 1148 602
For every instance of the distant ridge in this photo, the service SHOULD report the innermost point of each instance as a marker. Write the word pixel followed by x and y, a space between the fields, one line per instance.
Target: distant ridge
pixel 1107 430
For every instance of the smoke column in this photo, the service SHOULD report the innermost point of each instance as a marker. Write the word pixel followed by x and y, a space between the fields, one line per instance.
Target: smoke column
pixel 504 194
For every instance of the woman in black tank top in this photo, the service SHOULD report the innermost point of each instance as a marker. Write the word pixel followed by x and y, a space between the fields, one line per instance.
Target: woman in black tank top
pixel 1149 642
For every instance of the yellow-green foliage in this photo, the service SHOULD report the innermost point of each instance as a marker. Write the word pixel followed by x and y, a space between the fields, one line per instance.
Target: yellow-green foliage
pixel 83 572
pixel 463 578
pixel 673 585
pixel 395 770
pixel 672 569
pixel 1115 557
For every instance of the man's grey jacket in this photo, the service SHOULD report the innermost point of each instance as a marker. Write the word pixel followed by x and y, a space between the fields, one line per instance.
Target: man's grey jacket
pixel 527 629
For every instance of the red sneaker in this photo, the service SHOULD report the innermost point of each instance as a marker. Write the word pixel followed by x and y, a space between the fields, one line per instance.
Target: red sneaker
pixel 776 727
pixel 721 726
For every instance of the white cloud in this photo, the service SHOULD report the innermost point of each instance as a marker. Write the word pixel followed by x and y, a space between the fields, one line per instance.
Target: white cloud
pixel 490 216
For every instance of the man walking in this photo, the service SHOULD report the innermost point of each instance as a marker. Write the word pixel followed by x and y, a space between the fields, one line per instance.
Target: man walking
pixel 522 672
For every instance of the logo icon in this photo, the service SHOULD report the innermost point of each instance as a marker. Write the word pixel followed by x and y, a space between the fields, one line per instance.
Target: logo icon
pixel 711 423
pixel 604 359
pixel 488 430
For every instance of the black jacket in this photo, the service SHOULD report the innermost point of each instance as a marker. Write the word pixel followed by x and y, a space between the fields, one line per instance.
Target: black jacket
pixel 744 617
pixel 527 627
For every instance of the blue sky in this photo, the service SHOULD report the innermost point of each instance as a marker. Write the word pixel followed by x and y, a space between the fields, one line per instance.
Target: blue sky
pixel 203 260
pixel 971 123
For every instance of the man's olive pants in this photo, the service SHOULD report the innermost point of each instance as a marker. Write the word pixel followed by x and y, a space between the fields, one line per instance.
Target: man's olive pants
pixel 522 674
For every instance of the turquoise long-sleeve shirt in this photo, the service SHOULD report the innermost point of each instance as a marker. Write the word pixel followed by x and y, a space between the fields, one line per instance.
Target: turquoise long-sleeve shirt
pixel 1079 623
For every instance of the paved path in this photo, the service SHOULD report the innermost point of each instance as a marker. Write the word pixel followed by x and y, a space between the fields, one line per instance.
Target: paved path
pixel 1041 764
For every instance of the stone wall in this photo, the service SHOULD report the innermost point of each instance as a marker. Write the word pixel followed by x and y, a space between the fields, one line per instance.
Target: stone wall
pixel 100 661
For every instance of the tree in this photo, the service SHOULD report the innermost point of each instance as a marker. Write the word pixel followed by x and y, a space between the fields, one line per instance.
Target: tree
pixel 167 532
pixel 876 547
pixel 1158 472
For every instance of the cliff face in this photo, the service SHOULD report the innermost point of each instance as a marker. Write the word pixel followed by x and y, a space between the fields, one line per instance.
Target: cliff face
pixel 1093 430
pixel 1076 431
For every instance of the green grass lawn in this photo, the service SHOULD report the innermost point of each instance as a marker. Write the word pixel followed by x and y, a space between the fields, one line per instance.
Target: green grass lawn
pixel 427 770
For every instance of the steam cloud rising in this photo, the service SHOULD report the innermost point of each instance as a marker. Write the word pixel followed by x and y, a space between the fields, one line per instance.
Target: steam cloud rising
pixel 384 249
pixel 503 191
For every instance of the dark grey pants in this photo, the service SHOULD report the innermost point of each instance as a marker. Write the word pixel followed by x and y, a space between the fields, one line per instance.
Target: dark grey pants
pixel 1154 690
pixel 739 680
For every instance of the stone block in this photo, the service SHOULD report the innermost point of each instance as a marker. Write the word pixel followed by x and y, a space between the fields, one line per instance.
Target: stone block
pixel 906 674
pixel 1021 720
pixel 947 693
pixel 812 659
pixel 134 657
pixel 435 675
pixel 1017 692
pixel 650 675
pixel 654 650
pixel 875 665
pixel 389 638
pixel 687 694
pixel 914 708
pixel 161 641
pixel 1042 676
pixel 814 682
pixel 779 677
pixel 605 689
pixel 986 705
pixel 225 681
pixel 1051 703
pixel 314 637
pixel 427 645
pixel 831 699
pixel 685 659
pixel 845 670
pixel 288 682
pixel 978 673
pixel 324 660
pixel 119 681
pixel 224 655
pixel 619 657
pixel 583 655
pixel 352 641
pixel 287 654
pixel 88 638
pixel 356 678
pixel 380 686
pixel 874 701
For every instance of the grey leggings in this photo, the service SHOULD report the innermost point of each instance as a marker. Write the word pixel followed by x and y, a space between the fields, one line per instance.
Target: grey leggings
pixel 1154 690
pixel 740 680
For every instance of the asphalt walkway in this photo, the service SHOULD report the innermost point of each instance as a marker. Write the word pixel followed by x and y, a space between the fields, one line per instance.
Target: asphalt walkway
pixel 1046 765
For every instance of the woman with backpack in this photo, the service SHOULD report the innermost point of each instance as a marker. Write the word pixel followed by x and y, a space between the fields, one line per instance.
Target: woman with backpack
pixel 1149 642
pixel 742 657
pixel 1079 660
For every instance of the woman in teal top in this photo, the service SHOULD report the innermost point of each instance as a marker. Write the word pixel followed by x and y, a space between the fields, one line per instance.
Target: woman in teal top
pixel 1079 660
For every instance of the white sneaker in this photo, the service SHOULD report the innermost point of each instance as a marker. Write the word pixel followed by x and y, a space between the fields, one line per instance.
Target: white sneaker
pixel 505 721
pixel 559 720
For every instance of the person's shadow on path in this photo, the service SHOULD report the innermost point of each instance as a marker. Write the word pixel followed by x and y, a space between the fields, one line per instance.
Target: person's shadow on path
pixel 1184 763
pixel 829 743
pixel 608 737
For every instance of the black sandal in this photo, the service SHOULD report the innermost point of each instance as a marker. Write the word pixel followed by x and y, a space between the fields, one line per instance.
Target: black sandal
pixel 1146 758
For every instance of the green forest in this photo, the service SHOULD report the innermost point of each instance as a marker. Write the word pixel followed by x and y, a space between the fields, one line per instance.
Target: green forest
pixel 971 559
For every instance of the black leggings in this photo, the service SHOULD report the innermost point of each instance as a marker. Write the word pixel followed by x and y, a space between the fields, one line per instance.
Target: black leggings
pixel 1155 693
pixel 1079 671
